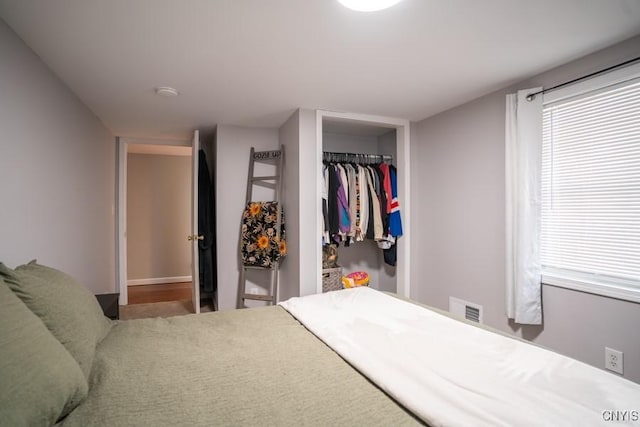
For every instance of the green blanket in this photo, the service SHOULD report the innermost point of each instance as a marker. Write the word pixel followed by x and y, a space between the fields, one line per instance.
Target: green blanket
pixel 244 367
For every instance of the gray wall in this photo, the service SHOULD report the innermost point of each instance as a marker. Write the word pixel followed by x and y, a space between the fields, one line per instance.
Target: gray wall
pixel 342 143
pixel 459 228
pixel 56 172
pixel 309 204
pixel 232 163
pixel 289 135
pixel 300 271
pixel 158 216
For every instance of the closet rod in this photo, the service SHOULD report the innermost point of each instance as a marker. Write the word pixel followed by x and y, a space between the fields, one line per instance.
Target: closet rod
pixel 354 157
pixel 532 96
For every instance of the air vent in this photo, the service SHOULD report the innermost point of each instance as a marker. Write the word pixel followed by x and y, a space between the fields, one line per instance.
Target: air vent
pixel 472 313
pixel 465 309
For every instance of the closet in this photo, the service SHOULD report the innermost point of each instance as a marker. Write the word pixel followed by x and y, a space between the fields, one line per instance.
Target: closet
pixel 358 142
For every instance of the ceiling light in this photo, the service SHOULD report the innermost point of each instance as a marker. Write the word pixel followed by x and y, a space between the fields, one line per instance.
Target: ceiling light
pixel 368 5
pixel 166 91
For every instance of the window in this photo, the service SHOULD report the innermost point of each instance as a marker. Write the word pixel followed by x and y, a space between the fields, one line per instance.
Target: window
pixel 590 229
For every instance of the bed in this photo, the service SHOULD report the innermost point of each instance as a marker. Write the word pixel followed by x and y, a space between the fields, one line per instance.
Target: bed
pixel 69 365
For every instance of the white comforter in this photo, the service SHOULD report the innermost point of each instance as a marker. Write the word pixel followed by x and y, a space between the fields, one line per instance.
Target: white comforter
pixel 453 374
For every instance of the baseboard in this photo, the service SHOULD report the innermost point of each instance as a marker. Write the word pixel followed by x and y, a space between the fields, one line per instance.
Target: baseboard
pixel 158 280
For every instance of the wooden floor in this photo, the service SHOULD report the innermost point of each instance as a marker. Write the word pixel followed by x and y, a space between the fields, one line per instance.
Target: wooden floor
pixel 143 294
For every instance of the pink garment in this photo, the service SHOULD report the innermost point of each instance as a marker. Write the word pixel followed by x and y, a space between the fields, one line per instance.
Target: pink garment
pixel 386 184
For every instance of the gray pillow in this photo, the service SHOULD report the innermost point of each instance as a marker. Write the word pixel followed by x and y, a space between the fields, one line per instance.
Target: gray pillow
pixel 39 380
pixel 67 308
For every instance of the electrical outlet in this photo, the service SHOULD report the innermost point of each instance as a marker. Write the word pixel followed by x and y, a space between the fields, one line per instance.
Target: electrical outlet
pixel 613 360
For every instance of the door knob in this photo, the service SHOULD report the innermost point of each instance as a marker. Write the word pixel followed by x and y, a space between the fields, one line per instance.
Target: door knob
pixel 195 237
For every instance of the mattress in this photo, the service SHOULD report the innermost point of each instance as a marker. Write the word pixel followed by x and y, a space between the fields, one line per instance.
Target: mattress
pixel 450 373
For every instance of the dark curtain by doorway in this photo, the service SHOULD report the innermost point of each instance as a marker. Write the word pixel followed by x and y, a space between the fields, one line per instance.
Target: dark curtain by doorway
pixel 206 226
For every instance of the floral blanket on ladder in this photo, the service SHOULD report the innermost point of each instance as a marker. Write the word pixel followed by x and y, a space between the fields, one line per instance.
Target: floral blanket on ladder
pixel 260 244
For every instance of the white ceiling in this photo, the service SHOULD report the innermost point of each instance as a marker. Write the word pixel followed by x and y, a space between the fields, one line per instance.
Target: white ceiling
pixel 253 62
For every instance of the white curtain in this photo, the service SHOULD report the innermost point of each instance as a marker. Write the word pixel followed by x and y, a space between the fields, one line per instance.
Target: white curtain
pixel 523 152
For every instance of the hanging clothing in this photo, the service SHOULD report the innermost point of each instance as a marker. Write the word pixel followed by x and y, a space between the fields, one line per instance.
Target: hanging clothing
pixel 371 194
pixel 343 201
pixel 361 202
pixel 325 208
pixel 354 200
pixel 363 189
pixel 207 263
pixel 382 196
pixel 332 202
pixel 259 244
pixel 391 255
pixel 395 220
pixel 386 184
pixel 375 204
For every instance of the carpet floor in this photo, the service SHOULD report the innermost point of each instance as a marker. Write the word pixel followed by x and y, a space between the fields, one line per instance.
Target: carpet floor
pixel 159 309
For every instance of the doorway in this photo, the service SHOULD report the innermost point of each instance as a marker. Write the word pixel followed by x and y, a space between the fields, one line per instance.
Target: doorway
pixel 158 218
pixel 148 249
pixel 195 237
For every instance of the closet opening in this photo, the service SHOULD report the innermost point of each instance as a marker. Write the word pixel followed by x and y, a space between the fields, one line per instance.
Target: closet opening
pixel 365 149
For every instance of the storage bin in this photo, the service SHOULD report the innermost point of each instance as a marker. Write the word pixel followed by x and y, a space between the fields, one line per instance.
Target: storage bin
pixel 331 279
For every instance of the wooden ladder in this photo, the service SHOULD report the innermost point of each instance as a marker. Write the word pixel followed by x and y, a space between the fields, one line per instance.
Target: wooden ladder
pixel 275 157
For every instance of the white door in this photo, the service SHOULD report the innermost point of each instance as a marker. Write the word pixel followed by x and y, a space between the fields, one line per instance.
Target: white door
pixel 194 238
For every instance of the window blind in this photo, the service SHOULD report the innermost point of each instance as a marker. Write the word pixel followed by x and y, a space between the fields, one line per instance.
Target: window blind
pixel 590 188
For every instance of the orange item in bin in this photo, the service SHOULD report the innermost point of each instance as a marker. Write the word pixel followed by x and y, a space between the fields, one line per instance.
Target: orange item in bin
pixel 358 278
